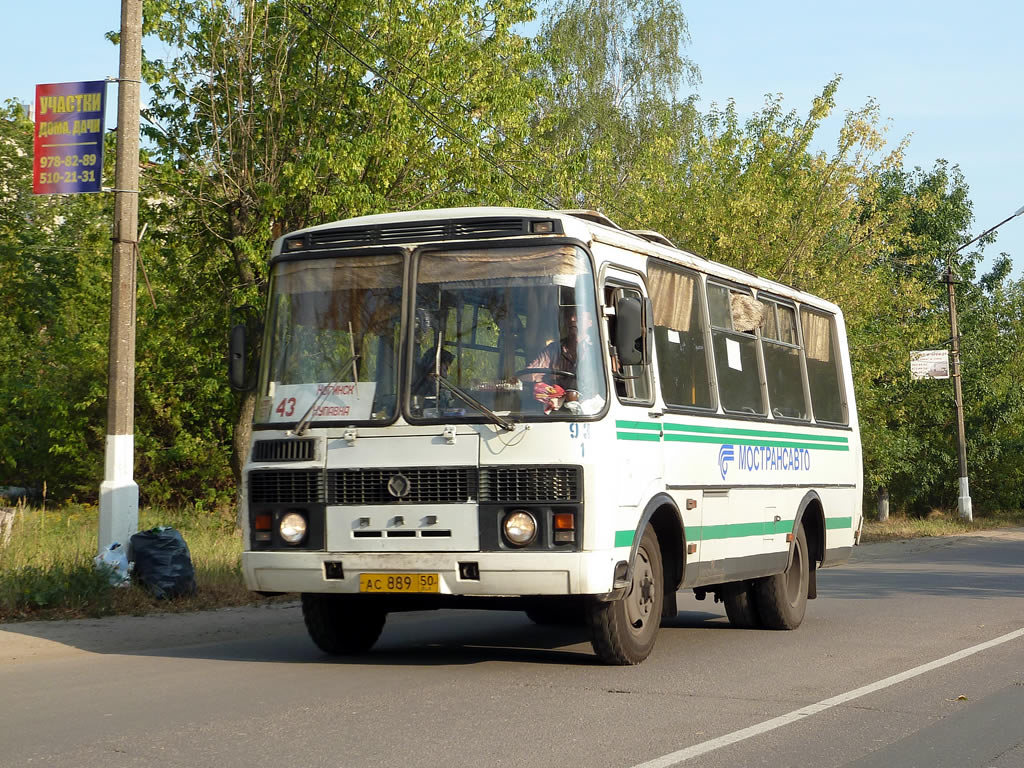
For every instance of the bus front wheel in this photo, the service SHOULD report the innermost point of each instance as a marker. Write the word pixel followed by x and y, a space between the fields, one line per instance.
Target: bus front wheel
pixel 782 598
pixel 623 631
pixel 341 626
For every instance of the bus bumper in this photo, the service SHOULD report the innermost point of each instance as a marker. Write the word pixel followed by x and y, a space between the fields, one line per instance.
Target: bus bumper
pixel 497 574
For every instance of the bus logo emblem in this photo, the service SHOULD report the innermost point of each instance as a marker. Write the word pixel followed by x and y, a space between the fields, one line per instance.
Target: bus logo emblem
pixel 726 454
pixel 399 486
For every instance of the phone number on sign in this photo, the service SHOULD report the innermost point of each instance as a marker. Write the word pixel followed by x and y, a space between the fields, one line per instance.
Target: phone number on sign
pixel 66 161
pixel 67 177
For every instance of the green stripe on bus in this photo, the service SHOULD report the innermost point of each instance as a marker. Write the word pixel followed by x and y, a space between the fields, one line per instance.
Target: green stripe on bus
pixel 686 433
pixel 721 440
pixel 638 436
pixel 669 426
pixel 831 523
pixel 652 425
pixel 733 531
pixel 741 530
pixel 738 530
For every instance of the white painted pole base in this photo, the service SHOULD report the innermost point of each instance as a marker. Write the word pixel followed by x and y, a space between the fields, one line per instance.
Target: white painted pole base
pixel 964 502
pixel 119 494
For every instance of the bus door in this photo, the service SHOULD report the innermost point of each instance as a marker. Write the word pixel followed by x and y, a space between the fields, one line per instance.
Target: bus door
pixel 638 428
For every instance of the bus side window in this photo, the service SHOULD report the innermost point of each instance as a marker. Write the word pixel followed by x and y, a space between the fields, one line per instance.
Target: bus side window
pixel 679 336
pixel 735 317
pixel 632 381
pixel 821 350
pixel 780 348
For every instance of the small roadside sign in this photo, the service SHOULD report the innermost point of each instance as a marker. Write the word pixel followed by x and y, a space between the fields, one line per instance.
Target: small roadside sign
pixel 929 364
pixel 68 154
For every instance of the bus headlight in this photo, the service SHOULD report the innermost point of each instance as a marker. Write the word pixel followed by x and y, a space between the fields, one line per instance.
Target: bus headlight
pixel 292 528
pixel 520 527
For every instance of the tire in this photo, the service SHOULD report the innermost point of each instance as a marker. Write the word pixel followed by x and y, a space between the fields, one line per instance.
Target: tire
pixel 782 598
pixel 741 605
pixel 340 626
pixel 623 631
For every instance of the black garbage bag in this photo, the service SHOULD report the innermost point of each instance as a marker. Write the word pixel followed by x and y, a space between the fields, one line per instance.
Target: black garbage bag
pixel 163 564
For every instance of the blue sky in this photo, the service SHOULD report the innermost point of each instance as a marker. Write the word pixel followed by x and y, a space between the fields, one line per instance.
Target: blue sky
pixel 943 73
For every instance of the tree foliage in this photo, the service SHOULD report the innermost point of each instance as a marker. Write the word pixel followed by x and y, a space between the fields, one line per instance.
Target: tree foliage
pixel 270 116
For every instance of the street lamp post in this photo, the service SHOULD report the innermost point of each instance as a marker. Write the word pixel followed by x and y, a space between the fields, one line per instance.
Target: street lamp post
pixel 964 499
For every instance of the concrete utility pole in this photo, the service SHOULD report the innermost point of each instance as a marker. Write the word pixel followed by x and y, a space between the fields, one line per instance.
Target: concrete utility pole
pixel 964 499
pixel 119 493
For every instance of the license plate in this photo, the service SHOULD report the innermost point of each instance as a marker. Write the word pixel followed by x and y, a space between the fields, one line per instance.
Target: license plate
pixel 399 582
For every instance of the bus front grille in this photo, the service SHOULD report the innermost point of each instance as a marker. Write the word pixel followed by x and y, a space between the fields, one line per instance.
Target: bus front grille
pixel 531 484
pixel 406 485
pixel 418 485
pixel 271 486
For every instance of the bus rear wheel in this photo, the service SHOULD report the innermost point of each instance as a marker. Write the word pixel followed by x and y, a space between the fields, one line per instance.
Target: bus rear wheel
pixel 341 626
pixel 782 598
pixel 740 601
pixel 623 631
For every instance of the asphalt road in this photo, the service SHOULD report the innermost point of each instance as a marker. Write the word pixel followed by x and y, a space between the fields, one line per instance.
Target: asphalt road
pixel 913 655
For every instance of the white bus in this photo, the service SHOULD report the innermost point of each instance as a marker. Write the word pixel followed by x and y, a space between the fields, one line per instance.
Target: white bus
pixel 538 410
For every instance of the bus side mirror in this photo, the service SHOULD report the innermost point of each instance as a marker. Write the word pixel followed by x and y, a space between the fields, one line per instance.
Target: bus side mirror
pixel 238 359
pixel 630 331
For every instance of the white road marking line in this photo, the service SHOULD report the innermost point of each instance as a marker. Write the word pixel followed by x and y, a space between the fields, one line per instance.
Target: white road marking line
pixel 675 758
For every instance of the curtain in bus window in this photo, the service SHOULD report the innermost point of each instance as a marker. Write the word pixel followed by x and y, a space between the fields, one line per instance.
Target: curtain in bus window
pixel 366 273
pixel 460 267
pixel 672 296
pixel 747 312
pixel 679 337
pixel 822 367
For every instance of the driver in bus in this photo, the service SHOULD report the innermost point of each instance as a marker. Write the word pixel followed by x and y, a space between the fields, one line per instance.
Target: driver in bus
pixel 564 374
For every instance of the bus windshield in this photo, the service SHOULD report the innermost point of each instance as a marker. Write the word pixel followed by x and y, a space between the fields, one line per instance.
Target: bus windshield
pixel 514 329
pixel 332 342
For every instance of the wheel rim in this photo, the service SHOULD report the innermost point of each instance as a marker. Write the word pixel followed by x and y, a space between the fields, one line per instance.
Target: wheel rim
pixel 640 602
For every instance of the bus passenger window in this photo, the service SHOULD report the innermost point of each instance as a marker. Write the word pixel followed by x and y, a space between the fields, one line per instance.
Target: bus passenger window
pixel 823 379
pixel 679 336
pixel 735 317
pixel 781 348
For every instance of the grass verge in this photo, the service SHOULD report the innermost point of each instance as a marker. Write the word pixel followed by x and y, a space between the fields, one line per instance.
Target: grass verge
pixel 936 524
pixel 47 571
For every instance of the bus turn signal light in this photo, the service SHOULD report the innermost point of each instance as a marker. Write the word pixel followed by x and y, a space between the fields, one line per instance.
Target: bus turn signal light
pixel 564 521
pixel 564 524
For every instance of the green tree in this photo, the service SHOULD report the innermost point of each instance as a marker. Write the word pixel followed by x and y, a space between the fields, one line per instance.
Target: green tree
pixel 53 324
pixel 269 117
pixel 609 123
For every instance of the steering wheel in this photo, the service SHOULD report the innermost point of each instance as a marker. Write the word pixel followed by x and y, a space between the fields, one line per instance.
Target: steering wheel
pixel 556 371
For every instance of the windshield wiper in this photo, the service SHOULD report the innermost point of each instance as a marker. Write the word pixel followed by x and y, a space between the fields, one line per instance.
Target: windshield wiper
pixel 307 416
pixel 507 424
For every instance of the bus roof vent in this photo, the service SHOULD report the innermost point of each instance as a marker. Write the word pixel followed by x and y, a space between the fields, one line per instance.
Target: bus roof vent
pixel 399 232
pixel 652 236
pixel 595 217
